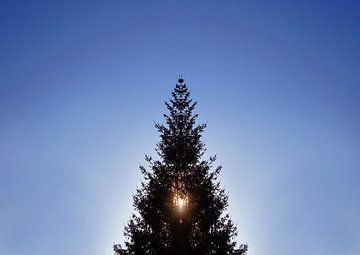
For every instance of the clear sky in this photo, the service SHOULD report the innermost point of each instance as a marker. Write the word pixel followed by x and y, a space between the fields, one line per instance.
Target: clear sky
pixel 82 83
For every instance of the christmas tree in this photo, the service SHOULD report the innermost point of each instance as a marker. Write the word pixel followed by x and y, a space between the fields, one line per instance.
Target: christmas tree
pixel 180 206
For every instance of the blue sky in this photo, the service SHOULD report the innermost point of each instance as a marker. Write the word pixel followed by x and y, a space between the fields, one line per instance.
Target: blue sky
pixel 82 83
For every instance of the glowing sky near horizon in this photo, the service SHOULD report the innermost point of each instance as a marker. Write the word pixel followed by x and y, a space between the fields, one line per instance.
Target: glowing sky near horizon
pixel 82 83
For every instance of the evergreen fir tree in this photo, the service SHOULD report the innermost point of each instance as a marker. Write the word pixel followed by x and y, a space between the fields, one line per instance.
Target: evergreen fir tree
pixel 180 204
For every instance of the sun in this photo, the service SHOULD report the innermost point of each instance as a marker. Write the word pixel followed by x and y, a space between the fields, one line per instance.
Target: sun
pixel 180 202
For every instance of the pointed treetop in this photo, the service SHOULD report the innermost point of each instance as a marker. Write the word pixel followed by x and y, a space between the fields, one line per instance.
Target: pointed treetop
pixel 181 79
pixel 180 96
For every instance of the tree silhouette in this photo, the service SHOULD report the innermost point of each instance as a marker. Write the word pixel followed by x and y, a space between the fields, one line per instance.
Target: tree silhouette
pixel 181 208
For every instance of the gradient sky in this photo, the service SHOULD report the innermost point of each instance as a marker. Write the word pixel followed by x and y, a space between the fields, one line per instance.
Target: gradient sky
pixel 82 83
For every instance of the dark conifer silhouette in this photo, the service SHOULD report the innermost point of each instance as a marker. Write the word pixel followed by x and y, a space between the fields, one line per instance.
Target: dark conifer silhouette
pixel 180 204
